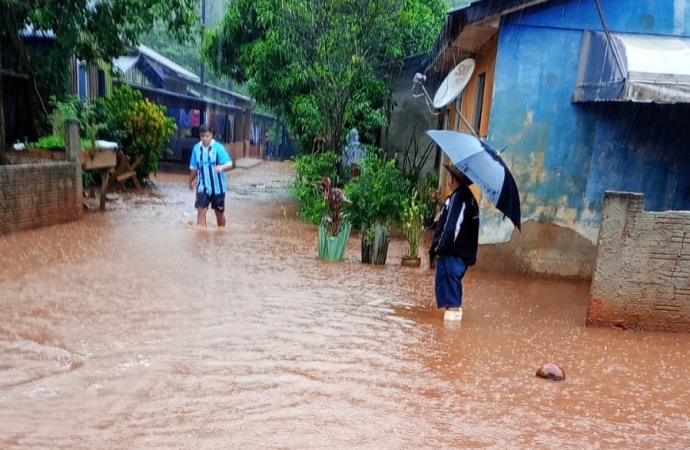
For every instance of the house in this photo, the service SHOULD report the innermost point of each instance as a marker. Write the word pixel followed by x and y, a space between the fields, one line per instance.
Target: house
pixel 582 97
pixel 166 83
pixel 85 80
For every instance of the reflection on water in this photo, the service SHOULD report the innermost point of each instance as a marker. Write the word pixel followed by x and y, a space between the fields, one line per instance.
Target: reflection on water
pixel 133 330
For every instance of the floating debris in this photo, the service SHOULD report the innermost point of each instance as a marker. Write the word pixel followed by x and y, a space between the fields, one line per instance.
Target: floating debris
pixel 552 372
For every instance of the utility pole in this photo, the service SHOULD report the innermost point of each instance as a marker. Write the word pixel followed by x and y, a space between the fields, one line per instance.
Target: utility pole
pixel 203 32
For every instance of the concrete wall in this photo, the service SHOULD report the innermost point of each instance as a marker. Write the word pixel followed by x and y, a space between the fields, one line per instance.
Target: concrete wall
pixel 564 156
pixel 237 150
pixel 42 193
pixel 410 117
pixel 642 276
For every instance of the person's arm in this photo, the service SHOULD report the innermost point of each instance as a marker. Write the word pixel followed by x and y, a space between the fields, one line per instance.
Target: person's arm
pixel 192 177
pixel 224 160
pixel 193 168
pixel 451 227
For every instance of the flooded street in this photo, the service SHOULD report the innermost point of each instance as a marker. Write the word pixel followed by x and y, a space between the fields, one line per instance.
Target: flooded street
pixel 133 330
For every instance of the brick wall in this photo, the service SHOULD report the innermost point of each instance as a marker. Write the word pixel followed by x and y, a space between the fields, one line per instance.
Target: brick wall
pixel 36 195
pixel 642 276
pixel 42 192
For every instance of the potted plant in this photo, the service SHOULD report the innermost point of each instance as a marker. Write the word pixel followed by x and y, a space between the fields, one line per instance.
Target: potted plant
pixel 334 230
pixel 377 196
pixel 412 226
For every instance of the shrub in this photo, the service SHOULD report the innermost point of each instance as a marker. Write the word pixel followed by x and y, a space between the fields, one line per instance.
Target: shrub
pixel 377 195
pixel 311 170
pixel 140 127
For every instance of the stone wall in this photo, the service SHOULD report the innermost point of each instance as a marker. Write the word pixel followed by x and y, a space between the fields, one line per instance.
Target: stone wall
pixel 642 275
pixel 41 193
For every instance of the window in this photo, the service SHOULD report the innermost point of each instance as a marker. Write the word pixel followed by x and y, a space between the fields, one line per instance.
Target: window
pixel 82 83
pixel 101 83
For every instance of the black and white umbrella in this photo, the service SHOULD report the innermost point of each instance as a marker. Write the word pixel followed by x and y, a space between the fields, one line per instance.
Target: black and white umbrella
pixel 484 167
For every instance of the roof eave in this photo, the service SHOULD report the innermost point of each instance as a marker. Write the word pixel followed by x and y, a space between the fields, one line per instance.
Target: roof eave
pixel 479 11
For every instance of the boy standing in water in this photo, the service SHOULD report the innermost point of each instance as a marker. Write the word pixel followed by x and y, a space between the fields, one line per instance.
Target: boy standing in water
pixel 207 166
pixel 455 243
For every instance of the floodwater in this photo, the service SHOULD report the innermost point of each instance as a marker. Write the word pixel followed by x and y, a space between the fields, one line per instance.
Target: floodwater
pixel 133 330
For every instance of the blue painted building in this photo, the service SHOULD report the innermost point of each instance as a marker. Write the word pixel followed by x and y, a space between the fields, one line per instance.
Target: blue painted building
pixel 584 99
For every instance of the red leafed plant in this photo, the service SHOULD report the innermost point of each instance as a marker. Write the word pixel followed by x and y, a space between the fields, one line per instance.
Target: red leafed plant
pixel 335 202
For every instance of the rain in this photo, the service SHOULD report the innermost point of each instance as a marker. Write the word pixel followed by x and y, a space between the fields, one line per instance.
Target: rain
pixel 134 328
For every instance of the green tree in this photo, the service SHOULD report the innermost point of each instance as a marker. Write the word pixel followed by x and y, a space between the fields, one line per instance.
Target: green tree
pixel 92 30
pixel 324 66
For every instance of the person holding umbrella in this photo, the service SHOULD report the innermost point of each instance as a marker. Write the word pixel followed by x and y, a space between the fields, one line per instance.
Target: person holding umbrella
pixel 457 234
pixel 455 243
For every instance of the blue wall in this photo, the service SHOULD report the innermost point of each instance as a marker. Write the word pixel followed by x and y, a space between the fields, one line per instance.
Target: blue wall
pixel 565 155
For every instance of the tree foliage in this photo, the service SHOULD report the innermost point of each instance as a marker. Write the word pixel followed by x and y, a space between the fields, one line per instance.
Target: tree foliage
pixel 91 30
pixel 140 127
pixel 378 195
pixel 324 66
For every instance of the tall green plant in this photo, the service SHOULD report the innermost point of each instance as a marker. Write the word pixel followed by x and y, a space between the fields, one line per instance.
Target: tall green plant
pixel 429 194
pixel 414 158
pixel 378 195
pixel 412 223
pixel 141 128
pixel 311 170
pixel 75 108
pixel 325 66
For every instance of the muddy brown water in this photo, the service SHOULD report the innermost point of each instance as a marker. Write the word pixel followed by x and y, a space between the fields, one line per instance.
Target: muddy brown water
pixel 132 330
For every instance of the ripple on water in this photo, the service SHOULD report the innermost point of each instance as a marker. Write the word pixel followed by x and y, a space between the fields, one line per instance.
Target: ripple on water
pixel 132 330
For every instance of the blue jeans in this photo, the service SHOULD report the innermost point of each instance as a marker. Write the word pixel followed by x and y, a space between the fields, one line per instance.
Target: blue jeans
pixel 448 281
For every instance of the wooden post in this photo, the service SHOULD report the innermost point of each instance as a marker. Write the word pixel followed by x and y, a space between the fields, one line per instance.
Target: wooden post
pixel 104 187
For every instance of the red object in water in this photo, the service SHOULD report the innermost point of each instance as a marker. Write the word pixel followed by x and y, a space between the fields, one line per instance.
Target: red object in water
pixel 552 372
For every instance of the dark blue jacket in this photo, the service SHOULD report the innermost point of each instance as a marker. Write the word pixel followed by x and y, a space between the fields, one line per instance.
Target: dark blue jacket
pixel 457 231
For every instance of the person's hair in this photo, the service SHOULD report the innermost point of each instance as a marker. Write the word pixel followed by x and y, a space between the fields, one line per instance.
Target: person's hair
pixel 457 175
pixel 204 128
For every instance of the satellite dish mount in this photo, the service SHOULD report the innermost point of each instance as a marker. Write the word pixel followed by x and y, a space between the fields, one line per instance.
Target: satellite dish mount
pixel 450 89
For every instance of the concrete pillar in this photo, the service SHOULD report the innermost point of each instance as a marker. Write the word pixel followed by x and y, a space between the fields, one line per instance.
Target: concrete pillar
pixel 73 150
pixel 616 210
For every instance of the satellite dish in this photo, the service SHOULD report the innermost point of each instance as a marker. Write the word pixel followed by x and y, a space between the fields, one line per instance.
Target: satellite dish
pixel 454 83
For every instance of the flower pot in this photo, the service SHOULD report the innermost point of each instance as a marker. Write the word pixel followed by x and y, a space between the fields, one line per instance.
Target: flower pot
pixel 407 261
pixel 332 248
pixel 376 251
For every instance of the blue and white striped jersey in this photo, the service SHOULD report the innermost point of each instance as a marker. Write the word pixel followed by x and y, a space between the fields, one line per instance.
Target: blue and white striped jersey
pixel 205 160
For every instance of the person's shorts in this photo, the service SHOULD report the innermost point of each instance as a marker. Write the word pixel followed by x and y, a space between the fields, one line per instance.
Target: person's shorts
pixel 203 200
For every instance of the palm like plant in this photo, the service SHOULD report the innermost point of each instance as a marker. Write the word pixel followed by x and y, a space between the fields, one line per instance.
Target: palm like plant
pixel 412 223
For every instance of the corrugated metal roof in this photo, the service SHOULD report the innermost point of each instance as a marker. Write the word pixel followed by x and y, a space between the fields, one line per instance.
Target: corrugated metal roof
pixel 163 61
pixel 124 63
